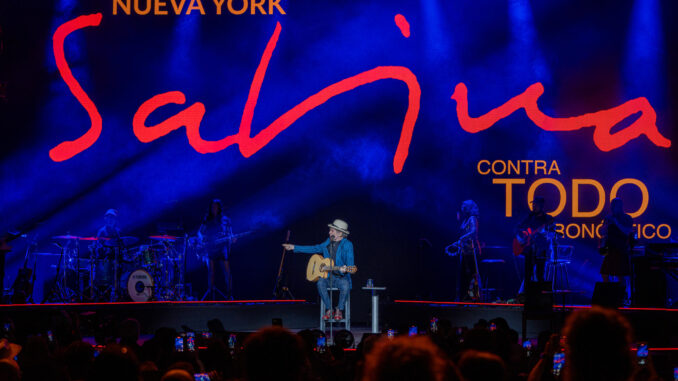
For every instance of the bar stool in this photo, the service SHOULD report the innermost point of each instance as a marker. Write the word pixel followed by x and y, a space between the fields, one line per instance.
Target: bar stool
pixel 556 267
pixel 347 312
pixel 486 291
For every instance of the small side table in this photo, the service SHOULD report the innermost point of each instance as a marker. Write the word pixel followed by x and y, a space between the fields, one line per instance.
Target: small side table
pixel 375 306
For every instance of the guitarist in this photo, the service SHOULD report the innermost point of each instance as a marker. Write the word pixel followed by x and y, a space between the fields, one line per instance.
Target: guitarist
pixel 534 229
pixel 216 226
pixel 340 250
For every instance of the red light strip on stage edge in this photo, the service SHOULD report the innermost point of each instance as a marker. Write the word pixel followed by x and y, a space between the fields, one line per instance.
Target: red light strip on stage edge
pixel 603 121
pixel 261 301
pixel 458 303
pixel 574 307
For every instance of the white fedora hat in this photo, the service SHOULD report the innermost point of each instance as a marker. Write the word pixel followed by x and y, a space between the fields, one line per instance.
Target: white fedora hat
pixel 340 225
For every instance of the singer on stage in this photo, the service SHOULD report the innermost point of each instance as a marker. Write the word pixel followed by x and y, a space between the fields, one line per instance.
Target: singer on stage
pixel 340 250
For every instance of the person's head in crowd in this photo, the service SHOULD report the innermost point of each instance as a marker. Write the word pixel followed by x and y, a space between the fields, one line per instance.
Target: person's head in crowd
pixel 148 371
pixel 165 336
pixel 274 354
pixel 183 365
pixel 309 338
pixel 216 357
pixel 64 326
pixel 481 323
pixel 479 339
pixel 129 331
pixel 500 323
pixel 216 327
pixel 481 366
pixel 115 363
pixel 445 327
pixel 598 346
pixel 177 375
pixel 160 349
pixel 367 343
pixel 35 360
pixel 79 357
pixel 407 358
pixel 9 371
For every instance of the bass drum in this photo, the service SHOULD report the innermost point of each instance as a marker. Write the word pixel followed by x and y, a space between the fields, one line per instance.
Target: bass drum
pixel 140 285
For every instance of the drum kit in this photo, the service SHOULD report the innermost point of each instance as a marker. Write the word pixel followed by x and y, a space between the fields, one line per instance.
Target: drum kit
pixel 120 269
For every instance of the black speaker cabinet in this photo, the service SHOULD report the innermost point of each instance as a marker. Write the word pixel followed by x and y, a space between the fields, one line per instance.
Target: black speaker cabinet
pixel 608 294
pixel 539 297
pixel 649 284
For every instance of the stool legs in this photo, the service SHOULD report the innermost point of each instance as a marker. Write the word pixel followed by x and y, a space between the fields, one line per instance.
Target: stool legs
pixel 347 312
pixel 558 274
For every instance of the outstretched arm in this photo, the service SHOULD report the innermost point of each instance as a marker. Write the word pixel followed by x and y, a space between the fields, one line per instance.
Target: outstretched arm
pixel 311 249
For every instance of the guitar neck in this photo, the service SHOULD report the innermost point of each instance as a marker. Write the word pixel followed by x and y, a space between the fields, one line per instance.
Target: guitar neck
pixel 349 269
pixel 332 268
pixel 230 237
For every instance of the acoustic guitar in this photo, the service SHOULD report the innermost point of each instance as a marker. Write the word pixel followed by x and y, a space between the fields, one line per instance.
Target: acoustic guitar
pixel 320 267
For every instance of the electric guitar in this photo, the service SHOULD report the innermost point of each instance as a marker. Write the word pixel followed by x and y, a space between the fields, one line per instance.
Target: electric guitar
pixel 211 245
pixel 320 267
pixel 202 247
pixel 524 238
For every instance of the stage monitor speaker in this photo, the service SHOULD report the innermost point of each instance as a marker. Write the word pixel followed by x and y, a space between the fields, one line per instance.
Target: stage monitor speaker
pixel 649 284
pixel 539 297
pixel 608 294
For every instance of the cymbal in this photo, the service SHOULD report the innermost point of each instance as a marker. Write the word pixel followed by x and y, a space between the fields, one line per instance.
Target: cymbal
pixel 164 237
pixel 123 241
pixel 68 236
pixel 94 239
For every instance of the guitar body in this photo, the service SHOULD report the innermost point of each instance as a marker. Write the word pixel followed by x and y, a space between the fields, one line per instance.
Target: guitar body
pixel 519 244
pixel 314 268
pixel 216 244
pixel 523 239
pixel 320 267
pixel 518 247
pixel 203 247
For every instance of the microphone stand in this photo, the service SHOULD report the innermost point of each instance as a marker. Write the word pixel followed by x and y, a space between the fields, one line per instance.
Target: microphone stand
pixel 281 291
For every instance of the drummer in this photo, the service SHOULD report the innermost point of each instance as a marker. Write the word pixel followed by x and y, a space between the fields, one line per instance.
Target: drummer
pixel 110 230
pixel 105 272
